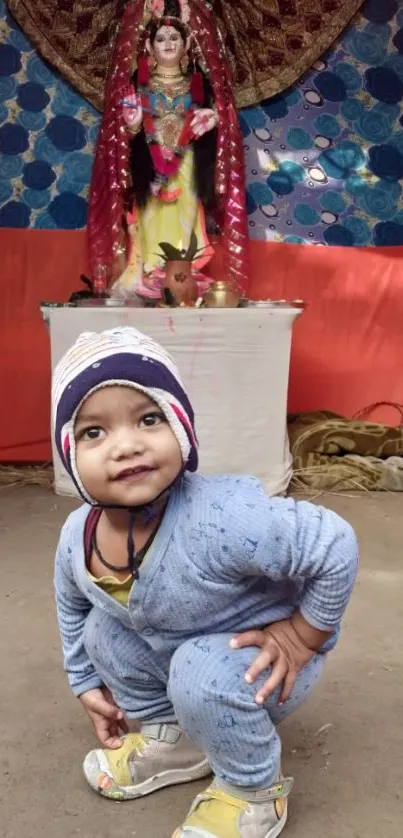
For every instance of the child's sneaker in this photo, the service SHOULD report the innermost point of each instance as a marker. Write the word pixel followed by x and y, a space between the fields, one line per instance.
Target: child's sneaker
pixel 161 755
pixel 217 813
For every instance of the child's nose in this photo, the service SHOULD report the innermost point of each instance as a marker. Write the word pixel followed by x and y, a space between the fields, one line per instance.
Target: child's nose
pixel 127 443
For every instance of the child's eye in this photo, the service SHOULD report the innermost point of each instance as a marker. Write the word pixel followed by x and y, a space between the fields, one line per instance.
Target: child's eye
pixel 151 419
pixel 92 433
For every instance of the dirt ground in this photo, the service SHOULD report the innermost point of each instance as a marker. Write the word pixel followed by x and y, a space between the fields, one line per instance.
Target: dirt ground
pixel 345 748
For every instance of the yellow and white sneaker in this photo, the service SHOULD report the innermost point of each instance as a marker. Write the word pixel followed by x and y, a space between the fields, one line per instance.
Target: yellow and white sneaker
pixel 216 813
pixel 161 755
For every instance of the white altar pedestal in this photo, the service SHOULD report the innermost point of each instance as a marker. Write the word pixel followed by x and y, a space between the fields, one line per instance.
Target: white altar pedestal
pixel 234 364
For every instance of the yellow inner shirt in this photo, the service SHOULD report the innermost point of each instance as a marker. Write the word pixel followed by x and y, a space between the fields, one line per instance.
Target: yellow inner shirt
pixel 117 590
pixel 120 591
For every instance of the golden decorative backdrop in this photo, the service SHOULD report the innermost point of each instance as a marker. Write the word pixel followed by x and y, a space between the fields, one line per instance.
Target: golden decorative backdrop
pixel 270 43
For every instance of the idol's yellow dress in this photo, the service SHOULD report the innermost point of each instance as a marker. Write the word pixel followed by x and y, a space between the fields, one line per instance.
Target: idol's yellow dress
pixel 173 214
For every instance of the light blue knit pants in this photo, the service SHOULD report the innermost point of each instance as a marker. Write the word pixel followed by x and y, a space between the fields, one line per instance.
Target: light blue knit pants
pixel 200 684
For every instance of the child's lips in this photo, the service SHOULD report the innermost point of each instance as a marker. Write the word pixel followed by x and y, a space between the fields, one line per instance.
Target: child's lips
pixel 133 475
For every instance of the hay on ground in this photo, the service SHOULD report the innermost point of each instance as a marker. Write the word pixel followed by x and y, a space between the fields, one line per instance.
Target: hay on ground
pixel 23 475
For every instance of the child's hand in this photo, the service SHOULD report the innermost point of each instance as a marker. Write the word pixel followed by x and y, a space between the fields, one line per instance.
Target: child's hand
pixel 106 716
pixel 282 649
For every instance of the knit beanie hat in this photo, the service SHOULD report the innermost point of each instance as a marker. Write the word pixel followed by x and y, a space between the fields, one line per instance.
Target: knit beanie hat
pixel 118 356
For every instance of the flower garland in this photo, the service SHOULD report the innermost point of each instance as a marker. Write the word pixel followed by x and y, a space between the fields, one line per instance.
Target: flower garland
pixel 167 162
pixel 157 7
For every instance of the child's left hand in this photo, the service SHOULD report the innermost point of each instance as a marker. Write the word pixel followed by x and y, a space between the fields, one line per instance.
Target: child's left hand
pixel 284 650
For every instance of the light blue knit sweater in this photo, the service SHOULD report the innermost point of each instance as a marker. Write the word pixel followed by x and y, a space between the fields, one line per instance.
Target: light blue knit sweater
pixel 226 558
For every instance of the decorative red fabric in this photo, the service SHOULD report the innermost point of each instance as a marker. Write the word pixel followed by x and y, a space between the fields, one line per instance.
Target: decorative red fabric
pixel 110 179
pixel 347 345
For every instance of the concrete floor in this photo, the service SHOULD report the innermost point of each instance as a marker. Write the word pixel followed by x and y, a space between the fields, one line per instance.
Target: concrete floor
pixel 345 748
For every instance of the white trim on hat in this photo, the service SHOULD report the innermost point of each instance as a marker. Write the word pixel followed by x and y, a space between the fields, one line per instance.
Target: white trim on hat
pixel 92 348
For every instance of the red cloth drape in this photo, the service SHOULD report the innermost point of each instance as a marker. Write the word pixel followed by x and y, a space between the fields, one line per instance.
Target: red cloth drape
pixel 347 347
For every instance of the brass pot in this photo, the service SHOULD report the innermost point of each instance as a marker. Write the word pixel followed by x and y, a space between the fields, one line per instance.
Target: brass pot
pixel 180 282
pixel 221 295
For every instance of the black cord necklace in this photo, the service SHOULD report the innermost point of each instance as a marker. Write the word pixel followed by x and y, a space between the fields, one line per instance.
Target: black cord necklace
pixel 135 559
pixel 150 511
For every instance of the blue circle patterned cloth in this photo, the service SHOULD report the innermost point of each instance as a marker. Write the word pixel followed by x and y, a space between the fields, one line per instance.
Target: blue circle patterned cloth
pixel 324 160
pixel 47 138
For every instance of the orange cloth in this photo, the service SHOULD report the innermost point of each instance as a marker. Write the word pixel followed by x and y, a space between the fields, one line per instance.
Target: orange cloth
pixel 347 347
pixel 35 266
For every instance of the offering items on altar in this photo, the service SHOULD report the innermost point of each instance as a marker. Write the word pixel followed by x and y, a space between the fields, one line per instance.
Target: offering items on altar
pixel 169 156
pixel 86 293
pixel 221 295
pixel 179 280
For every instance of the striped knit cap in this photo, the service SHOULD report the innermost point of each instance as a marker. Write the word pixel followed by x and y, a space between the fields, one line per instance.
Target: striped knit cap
pixel 118 356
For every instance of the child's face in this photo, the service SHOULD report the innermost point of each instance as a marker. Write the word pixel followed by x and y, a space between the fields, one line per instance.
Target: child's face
pixel 127 453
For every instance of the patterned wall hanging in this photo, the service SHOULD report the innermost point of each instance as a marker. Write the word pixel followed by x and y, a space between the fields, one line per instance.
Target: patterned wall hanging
pixel 324 159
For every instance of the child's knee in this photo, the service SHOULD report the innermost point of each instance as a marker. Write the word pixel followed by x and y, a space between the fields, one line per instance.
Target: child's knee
pixel 206 666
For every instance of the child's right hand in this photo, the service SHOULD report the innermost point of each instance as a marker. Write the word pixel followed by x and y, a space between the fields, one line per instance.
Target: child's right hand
pixel 106 716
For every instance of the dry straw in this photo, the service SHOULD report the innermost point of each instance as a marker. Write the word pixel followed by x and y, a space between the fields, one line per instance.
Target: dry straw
pixel 19 476
pixel 316 480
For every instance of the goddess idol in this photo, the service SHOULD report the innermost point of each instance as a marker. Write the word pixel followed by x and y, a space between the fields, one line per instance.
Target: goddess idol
pixel 169 154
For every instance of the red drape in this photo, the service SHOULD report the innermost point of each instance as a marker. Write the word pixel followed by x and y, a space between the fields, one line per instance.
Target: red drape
pixel 347 347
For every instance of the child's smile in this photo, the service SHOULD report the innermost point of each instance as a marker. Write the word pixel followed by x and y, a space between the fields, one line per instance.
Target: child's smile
pixel 133 475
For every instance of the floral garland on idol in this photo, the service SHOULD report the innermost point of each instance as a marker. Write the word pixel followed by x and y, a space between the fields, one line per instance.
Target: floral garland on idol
pixel 156 9
pixel 110 184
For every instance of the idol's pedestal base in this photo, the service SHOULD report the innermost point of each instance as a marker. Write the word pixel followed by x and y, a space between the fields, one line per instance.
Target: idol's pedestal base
pixel 234 364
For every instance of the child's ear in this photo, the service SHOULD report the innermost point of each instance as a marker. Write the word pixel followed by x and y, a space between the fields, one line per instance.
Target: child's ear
pixel 149 46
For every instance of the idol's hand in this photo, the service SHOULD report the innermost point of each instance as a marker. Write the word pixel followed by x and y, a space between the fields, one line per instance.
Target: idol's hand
pixel 203 121
pixel 132 110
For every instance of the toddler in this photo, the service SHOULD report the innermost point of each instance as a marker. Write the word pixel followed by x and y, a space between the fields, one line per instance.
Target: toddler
pixel 197 606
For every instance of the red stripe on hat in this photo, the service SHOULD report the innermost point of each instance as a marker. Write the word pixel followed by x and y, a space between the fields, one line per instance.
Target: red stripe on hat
pixel 66 446
pixel 185 421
